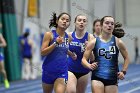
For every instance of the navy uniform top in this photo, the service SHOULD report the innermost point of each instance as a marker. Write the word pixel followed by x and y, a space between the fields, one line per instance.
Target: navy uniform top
pixel 106 54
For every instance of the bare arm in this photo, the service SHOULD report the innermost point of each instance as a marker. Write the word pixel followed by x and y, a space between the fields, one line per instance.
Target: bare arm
pixel 86 56
pixel 124 53
pixel 92 58
pixel 2 41
pixel 70 37
pixel 32 45
pixel 71 54
pixel 91 37
pixel 45 48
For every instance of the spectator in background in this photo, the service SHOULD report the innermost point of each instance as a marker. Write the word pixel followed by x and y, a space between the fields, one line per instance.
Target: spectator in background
pixel 96 27
pixel 27 49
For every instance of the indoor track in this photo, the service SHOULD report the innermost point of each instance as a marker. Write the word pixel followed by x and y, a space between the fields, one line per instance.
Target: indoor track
pixel 130 85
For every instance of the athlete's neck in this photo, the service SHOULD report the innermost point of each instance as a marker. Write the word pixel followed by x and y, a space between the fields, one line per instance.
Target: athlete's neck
pixel 105 37
pixel 96 34
pixel 60 32
pixel 79 34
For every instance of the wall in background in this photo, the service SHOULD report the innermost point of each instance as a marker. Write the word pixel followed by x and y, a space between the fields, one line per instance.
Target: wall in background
pixel 92 9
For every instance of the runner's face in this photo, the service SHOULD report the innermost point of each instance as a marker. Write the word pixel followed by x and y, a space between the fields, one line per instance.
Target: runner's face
pixel 97 27
pixel 64 21
pixel 108 25
pixel 81 22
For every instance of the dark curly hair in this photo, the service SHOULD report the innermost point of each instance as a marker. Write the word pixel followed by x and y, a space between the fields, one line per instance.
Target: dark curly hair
pixel 54 18
pixel 26 34
pixel 118 30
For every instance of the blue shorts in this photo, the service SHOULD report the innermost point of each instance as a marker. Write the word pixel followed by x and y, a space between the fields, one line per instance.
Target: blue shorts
pixel 1 57
pixel 49 78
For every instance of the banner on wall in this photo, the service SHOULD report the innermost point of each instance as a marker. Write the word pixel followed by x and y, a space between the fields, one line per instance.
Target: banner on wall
pixel 32 8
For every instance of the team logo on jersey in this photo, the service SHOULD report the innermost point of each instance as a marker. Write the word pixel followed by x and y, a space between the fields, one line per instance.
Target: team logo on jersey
pixel 107 53
pixel 82 45
pixel 64 44
pixel 67 42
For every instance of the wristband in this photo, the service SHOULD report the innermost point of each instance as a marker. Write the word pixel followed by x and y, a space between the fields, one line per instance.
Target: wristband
pixel 124 72
pixel 92 61
pixel 56 43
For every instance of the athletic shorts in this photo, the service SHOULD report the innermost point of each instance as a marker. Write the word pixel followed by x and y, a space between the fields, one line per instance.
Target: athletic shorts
pixel 49 78
pixel 78 75
pixel 106 82
pixel 1 57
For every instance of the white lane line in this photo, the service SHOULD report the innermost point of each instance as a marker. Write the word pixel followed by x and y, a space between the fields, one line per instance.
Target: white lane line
pixel 133 90
pixel 129 81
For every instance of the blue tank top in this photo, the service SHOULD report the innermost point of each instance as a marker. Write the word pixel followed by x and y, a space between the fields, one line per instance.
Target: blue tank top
pixel 106 54
pixel 56 61
pixel 77 46
pixel 27 51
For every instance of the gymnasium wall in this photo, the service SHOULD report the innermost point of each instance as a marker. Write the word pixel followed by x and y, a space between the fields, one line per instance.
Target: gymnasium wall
pixel 125 11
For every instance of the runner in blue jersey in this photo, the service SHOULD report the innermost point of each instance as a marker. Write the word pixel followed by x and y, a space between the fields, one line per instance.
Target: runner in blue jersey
pixel 55 47
pixel 27 48
pixel 2 68
pixel 106 49
pixel 96 28
pixel 78 75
